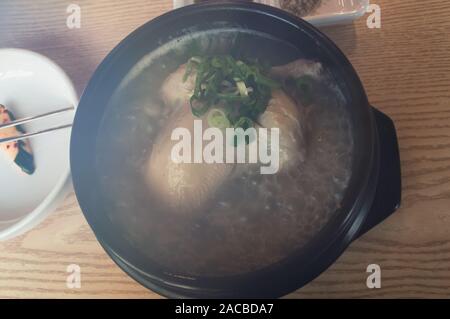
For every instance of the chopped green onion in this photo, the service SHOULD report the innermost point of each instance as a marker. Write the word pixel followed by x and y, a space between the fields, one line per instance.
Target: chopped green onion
pixel 196 60
pixel 218 118
pixel 244 122
pixel 188 72
pixel 198 109
pixel 242 88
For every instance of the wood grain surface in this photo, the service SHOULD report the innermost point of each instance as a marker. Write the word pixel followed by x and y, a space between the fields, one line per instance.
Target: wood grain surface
pixel 405 67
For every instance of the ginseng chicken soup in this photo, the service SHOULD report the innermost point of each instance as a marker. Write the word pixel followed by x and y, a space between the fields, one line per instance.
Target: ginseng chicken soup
pixel 224 215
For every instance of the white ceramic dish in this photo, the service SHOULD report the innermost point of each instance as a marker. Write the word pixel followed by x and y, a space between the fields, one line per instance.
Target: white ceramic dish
pixel 331 12
pixel 31 84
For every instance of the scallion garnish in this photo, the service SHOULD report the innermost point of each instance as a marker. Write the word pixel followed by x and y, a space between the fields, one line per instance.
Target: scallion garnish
pixel 242 90
pixel 218 118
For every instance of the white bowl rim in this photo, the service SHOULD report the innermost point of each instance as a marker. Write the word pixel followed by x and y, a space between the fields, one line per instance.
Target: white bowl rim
pixel 62 187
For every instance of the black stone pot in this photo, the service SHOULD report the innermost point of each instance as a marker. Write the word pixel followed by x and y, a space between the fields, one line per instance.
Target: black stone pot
pixel 373 194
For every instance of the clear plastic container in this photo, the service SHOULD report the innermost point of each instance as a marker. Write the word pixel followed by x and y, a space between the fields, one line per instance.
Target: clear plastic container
pixel 330 12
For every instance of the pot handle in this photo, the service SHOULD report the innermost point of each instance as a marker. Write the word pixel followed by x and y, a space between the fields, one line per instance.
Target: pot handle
pixel 389 189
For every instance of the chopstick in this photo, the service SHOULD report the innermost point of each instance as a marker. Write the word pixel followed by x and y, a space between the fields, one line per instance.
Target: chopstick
pixel 31 119
pixel 37 117
pixel 28 135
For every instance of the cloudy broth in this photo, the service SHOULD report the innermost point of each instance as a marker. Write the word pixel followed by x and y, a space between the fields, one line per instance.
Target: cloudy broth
pixel 255 220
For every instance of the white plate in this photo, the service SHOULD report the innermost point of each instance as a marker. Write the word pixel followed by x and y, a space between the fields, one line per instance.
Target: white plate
pixel 329 13
pixel 31 84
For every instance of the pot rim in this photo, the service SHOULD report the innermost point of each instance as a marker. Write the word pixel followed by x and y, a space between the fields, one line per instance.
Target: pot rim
pixel 347 228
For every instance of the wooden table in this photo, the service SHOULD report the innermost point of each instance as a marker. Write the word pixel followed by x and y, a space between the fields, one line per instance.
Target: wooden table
pixel 405 67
